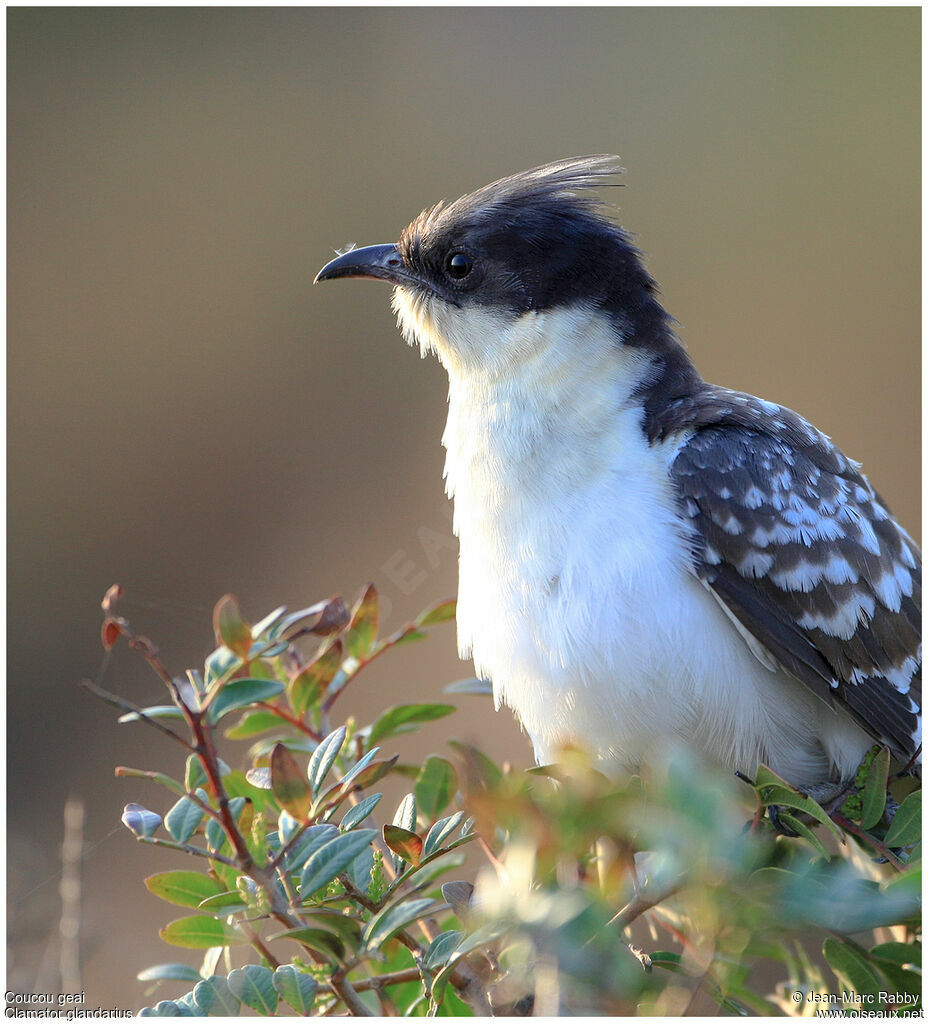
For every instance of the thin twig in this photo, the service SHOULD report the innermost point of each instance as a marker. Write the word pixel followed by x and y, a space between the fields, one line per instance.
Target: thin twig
pixel 293 720
pixel 639 905
pixel 127 705
pixel 195 851
pixel 866 837
pixel 397 978
pixel 255 939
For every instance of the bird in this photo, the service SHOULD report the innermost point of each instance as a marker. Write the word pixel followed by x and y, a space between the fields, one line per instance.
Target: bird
pixel 644 557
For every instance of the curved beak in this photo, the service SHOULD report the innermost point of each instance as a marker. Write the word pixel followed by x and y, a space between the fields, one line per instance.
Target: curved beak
pixel 376 262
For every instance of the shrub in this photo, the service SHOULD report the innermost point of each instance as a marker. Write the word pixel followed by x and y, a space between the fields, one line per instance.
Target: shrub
pixel 656 895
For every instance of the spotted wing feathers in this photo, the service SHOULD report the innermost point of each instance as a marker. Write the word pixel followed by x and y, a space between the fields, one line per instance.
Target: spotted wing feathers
pixel 800 549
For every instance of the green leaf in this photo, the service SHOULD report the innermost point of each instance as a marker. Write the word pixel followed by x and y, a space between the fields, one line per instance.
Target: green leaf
pixel 358 768
pixel 473 687
pixel 288 784
pixel 900 953
pixel 239 693
pixel 435 787
pixel 906 828
pixel 408 636
pixel 440 949
pixel 200 932
pixel 296 988
pixel 362 629
pixel 404 843
pixel 480 771
pixel 253 985
pixel 357 814
pixel 229 626
pixel 313 680
pixel 772 789
pixel 185 888
pixel 220 664
pixel 318 939
pixel 370 774
pixel 405 816
pixel 874 794
pixel 237 785
pixel 253 723
pixel 287 827
pixel 194 774
pixel 440 831
pixel 166 1008
pixel 271 619
pixel 479 937
pixel 213 997
pixel 324 757
pixel 348 929
pixel 184 818
pixel 443 611
pixel 168 972
pixel 215 835
pixel 851 968
pixel 898 979
pixel 392 918
pixel 313 838
pixel 332 858
pixel 260 778
pixel 361 868
pixel 405 717
pixel 791 822
pixel 157 711
pixel 140 820
pixel 223 903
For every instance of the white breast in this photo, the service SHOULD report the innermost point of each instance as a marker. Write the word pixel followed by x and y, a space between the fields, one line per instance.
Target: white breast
pixel 576 593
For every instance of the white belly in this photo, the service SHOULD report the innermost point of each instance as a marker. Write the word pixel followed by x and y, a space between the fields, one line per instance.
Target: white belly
pixel 615 647
pixel 577 597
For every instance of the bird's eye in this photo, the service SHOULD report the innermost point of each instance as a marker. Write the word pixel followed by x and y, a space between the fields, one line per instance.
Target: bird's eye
pixel 458 265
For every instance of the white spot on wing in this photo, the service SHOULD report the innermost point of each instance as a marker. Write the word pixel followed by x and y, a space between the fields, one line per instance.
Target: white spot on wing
pixel 858 608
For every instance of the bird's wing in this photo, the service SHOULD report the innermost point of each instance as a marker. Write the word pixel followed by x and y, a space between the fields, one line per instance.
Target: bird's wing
pixel 803 553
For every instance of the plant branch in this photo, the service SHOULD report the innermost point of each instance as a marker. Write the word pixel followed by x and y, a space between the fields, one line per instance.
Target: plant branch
pixel 127 705
pixel 195 851
pixel 867 838
pixel 293 720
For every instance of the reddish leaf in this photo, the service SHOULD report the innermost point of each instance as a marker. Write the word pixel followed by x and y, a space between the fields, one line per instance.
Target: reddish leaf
pixel 230 628
pixel 375 771
pixel 362 630
pixel 312 680
pixel 244 824
pixel 288 783
pixel 404 843
pixel 110 633
pixel 333 618
pixel 320 619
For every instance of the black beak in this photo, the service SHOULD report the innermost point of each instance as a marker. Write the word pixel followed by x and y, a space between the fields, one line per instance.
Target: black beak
pixel 377 262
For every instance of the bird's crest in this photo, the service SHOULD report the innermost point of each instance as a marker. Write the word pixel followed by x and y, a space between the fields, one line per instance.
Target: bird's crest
pixel 561 179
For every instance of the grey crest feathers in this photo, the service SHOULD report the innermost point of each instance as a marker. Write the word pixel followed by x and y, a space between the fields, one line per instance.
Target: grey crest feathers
pixel 561 178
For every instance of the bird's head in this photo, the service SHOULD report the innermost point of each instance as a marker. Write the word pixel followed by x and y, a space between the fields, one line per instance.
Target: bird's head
pixel 532 244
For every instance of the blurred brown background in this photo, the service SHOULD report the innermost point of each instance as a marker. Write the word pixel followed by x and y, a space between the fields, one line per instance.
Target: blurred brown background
pixel 188 417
